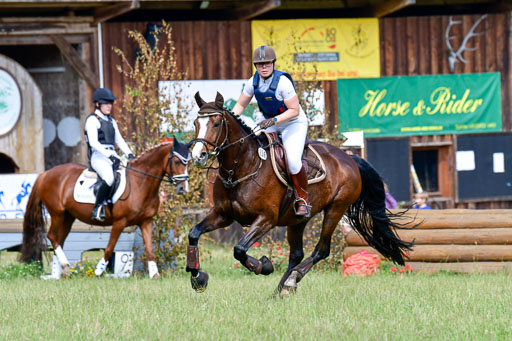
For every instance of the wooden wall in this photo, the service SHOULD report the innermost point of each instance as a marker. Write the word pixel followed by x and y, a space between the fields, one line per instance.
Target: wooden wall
pixel 416 46
pixel 205 50
pixel 409 46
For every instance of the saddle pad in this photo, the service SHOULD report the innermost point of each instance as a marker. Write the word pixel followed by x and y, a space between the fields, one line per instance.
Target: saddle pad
pixel 315 167
pixel 83 191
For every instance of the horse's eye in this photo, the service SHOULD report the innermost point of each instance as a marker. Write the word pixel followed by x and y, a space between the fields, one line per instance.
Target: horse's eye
pixel 216 124
pixel 177 163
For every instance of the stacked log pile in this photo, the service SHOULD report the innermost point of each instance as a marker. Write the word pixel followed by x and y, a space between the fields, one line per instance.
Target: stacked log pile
pixel 454 240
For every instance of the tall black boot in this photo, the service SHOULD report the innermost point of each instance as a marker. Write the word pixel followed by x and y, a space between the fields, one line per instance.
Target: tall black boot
pixel 98 213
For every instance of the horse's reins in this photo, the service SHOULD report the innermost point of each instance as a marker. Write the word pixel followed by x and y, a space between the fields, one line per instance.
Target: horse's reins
pixel 172 179
pixel 229 183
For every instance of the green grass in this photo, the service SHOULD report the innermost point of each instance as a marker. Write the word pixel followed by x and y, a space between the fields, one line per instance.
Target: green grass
pixel 238 306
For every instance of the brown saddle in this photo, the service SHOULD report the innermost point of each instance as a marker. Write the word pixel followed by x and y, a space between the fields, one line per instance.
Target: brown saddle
pixel 311 161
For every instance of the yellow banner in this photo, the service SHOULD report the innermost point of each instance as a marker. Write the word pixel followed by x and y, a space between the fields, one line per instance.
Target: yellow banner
pixel 322 49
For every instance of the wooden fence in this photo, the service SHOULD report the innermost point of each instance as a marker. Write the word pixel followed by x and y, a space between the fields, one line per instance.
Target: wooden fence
pixel 453 240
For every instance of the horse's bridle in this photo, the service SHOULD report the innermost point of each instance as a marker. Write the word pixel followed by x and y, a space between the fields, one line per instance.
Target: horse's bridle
pixel 216 147
pixel 228 183
pixel 172 179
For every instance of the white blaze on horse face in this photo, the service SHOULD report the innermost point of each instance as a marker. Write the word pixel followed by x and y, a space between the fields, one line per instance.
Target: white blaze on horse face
pixel 203 128
pixel 182 187
pixel 186 182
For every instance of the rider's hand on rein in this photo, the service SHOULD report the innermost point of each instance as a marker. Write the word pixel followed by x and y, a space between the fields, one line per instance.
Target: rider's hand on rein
pixel 269 122
pixel 115 161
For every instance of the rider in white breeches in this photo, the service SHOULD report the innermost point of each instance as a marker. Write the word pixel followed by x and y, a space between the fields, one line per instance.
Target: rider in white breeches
pixel 277 99
pixel 102 133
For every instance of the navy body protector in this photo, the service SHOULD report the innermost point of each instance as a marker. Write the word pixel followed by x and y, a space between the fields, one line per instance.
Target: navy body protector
pixel 269 105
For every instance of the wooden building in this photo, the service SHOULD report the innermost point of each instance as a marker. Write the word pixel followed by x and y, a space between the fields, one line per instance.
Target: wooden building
pixel 67 48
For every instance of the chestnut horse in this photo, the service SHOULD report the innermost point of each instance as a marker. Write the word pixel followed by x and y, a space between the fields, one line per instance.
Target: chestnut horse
pixel 247 190
pixel 136 206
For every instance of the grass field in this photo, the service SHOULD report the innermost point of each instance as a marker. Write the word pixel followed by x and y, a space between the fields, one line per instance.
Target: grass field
pixel 238 306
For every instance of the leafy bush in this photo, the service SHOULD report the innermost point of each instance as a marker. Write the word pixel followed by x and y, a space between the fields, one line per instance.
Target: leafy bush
pixel 149 121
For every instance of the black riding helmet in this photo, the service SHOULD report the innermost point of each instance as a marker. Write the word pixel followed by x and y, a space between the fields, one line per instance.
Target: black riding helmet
pixel 103 96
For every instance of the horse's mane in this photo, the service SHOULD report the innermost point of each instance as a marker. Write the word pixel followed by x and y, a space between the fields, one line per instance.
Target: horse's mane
pixel 240 122
pixel 151 149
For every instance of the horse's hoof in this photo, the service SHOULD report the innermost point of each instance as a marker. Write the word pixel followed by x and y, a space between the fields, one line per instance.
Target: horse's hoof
pixel 267 268
pixel 287 291
pixel 156 276
pixel 66 272
pixel 200 282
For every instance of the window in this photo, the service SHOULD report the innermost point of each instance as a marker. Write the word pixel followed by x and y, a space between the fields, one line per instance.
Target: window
pixel 426 165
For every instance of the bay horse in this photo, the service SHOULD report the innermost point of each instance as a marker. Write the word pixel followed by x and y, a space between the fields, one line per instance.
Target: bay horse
pixel 136 206
pixel 247 190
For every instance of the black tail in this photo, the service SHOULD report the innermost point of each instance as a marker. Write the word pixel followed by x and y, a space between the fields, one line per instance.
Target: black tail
pixel 369 217
pixel 34 240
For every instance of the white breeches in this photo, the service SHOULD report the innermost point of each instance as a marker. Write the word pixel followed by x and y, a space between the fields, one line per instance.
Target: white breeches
pixel 103 166
pixel 293 134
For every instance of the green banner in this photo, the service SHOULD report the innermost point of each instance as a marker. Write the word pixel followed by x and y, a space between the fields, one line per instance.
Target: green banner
pixel 420 105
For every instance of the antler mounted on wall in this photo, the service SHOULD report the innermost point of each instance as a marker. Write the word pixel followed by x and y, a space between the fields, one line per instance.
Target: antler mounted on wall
pixel 455 56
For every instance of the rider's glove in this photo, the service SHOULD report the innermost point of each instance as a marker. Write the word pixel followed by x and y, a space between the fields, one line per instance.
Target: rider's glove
pixel 115 161
pixel 269 122
pixel 131 157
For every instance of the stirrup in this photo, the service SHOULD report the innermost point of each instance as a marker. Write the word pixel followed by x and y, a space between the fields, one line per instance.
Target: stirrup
pixel 100 214
pixel 305 204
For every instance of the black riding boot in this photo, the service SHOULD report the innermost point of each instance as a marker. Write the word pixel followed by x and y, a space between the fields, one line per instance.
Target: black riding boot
pixel 98 213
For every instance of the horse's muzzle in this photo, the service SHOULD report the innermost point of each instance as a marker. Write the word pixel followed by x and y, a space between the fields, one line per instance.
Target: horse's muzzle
pixel 182 187
pixel 202 161
pixel 181 183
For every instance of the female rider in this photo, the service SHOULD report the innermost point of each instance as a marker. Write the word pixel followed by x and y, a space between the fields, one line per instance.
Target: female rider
pixel 101 132
pixel 278 101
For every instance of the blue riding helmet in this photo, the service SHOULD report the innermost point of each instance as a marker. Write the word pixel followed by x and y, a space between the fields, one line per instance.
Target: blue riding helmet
pixel 103 96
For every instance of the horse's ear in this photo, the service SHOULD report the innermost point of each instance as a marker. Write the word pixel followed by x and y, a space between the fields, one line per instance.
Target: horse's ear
pixel 199 100
pixel 219 100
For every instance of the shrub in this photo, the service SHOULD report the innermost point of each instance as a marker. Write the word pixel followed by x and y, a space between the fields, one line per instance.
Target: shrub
pixel 149 121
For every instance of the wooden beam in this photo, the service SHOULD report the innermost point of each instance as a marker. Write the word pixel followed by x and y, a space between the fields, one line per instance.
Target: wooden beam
pixel 485 236
pixel 446 253
pixel 47 31
pixel 74 59
pixel 387 7
pixel 255 9
pixel 105 13
pixel 457 218
pixel 41 40
pixel 52 20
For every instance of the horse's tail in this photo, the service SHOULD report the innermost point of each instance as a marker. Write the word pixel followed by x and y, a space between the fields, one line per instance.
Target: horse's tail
pixel 369 217
pixel 34 239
